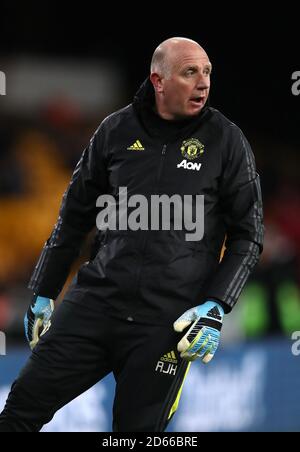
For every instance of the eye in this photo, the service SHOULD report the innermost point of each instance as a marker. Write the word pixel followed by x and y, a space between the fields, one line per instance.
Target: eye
pixel 190 71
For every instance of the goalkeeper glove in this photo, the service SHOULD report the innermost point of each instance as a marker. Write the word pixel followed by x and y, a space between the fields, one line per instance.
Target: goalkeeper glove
pixel 37 319
pixel 202 339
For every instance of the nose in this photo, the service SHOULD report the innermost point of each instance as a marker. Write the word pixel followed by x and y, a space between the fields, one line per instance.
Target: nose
pixel 202 82
pixel 202 85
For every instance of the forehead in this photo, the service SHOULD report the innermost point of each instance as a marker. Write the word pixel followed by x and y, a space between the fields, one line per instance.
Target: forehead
pixel 193 57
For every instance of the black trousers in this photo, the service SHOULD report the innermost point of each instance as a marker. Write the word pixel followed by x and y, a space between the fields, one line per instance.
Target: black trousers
pixel 83 346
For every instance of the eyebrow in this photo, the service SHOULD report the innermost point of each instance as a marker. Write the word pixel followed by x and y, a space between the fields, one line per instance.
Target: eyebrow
pixel 195 66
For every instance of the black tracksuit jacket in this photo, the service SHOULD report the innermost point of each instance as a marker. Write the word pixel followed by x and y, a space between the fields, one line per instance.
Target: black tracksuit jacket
pixel 154 276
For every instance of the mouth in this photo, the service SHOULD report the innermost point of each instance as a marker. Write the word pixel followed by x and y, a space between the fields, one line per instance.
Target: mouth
pixel 197 100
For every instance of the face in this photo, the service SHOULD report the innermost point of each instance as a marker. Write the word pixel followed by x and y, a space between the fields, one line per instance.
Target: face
pixel 185 91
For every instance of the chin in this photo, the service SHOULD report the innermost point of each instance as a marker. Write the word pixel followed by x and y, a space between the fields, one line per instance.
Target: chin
pixel 187 114
pixel 194 112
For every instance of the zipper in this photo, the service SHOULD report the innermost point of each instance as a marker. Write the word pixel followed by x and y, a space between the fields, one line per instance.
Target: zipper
pixel 161 164
pixel 144 239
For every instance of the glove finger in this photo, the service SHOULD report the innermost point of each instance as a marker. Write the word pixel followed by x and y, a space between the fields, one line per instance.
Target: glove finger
pixel 207 358
pixel 46 326
pixel 180 325
pixel 35 333
pixel 183 345
pixel 210 353
pixel 188 356
pixel 185 320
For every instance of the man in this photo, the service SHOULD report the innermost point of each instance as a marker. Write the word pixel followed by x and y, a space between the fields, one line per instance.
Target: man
pixel 119 312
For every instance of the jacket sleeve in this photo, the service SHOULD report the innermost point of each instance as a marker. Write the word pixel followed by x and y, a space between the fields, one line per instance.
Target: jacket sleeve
pixel 76 218
pixel 241 207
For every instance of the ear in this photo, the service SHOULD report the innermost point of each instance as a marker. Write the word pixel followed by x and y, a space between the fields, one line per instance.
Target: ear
pixel 157 82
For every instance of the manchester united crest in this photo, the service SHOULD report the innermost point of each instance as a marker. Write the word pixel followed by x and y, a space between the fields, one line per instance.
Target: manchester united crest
pixel 192 148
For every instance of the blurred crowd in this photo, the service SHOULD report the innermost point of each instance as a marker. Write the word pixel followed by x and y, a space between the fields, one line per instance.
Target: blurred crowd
pixel 37 157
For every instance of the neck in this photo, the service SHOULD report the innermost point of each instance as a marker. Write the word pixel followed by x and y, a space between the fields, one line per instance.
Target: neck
pixel 161 111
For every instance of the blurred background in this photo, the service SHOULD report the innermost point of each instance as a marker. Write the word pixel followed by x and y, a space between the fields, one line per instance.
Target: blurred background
pixel 66 69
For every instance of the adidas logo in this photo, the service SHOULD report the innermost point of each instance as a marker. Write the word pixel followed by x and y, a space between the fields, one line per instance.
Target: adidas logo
pixel 214 313
pixel 169 358
pixel 137 146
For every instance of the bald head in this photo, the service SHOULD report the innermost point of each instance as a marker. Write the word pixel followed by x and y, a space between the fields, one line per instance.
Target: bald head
pixel 165 55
